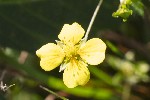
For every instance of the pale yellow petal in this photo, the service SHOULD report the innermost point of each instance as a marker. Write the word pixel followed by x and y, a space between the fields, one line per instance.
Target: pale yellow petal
pixel 76 73
pixel 49 49
pixel 51 62
pixel 51 56
pixel 93 52
pixel 71 33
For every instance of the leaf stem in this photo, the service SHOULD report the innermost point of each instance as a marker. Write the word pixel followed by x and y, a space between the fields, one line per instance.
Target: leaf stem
pixel 92 20
pixel 46 89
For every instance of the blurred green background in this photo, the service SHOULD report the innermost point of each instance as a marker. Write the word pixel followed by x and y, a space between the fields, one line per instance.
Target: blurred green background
pixel 26 25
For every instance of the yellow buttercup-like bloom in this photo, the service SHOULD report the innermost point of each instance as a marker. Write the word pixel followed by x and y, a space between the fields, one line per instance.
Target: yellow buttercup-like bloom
pixel 72 54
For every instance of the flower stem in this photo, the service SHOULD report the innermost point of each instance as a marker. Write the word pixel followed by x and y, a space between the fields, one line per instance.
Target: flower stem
pixel 92 20
pixel 46 89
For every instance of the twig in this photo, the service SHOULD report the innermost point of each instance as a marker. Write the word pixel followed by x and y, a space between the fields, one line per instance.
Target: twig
pixel 127 42
pixel 4 87
pixel 46 89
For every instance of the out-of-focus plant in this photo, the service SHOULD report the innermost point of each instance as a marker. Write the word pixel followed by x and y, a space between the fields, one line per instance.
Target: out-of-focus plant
pixel 130 72
pixel 37 77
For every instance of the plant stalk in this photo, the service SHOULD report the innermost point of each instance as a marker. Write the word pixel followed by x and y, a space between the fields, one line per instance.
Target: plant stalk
pixel 92 20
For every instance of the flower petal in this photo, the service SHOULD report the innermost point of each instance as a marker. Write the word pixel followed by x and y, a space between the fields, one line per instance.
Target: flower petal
pixel 76 73
pixel 48 49
pixel 71 33
pixel 93 52
pixel 51 56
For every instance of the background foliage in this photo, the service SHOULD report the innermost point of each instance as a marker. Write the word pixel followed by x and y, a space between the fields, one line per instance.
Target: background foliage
pixel 26 25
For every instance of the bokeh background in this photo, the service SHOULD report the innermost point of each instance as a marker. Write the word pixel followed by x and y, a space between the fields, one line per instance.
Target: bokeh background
pixel 26 25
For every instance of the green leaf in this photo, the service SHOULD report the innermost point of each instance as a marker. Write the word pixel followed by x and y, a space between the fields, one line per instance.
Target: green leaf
pixel 138 7
pixel 101 75
pixel 113 48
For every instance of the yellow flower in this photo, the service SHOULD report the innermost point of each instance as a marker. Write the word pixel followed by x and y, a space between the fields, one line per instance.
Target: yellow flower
pixel 72 54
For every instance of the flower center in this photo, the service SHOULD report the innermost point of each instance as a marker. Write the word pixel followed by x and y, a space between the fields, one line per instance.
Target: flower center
pixel 71 51
pixel 71 54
